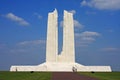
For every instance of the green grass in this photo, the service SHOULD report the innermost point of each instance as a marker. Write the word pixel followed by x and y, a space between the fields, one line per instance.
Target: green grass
pixel 5 75
pixel 103 75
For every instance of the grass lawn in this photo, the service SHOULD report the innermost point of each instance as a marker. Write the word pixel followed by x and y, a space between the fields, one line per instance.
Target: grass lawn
pixel 5 75
pixel 103 75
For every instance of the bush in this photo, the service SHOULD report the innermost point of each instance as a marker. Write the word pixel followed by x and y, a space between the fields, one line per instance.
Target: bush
pixel 92 72
pixel 32 72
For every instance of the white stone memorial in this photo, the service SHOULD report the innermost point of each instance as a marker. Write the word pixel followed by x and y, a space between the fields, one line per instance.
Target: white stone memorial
pixel 65 61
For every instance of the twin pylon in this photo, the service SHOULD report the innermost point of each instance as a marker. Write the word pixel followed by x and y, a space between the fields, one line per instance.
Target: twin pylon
pixel 68 50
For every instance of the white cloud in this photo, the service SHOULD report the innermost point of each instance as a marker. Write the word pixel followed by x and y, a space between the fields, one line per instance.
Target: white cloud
pixel 85 38
pixel 28 46
pixel 84 3
pixel 38 15
pixel 88 38
pixel 17 19
pixel 77 24
pixel 89 34
pixel 102 4
pixel 73 11
pixel 110 49
pixel 34 42
pixel 18 50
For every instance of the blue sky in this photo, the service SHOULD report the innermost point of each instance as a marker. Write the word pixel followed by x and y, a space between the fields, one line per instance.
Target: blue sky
pixel 23 28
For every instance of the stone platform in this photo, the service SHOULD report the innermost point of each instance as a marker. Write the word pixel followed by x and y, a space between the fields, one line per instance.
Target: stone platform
pixel 61 67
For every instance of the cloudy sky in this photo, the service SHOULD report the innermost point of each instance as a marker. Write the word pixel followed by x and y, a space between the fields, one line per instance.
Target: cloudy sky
pixel 23 28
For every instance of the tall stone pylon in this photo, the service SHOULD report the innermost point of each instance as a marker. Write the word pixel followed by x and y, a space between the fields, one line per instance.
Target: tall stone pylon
pixel 52 37
pixel 68 37
pixel 68 49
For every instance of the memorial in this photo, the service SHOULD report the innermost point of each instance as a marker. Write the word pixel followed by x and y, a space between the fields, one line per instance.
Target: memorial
pixel 65 61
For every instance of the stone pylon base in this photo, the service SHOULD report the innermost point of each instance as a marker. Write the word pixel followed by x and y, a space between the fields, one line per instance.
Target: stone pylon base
pixel 61 67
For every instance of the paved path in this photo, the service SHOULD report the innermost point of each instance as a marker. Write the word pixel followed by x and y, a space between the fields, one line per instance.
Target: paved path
pixel 70 76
